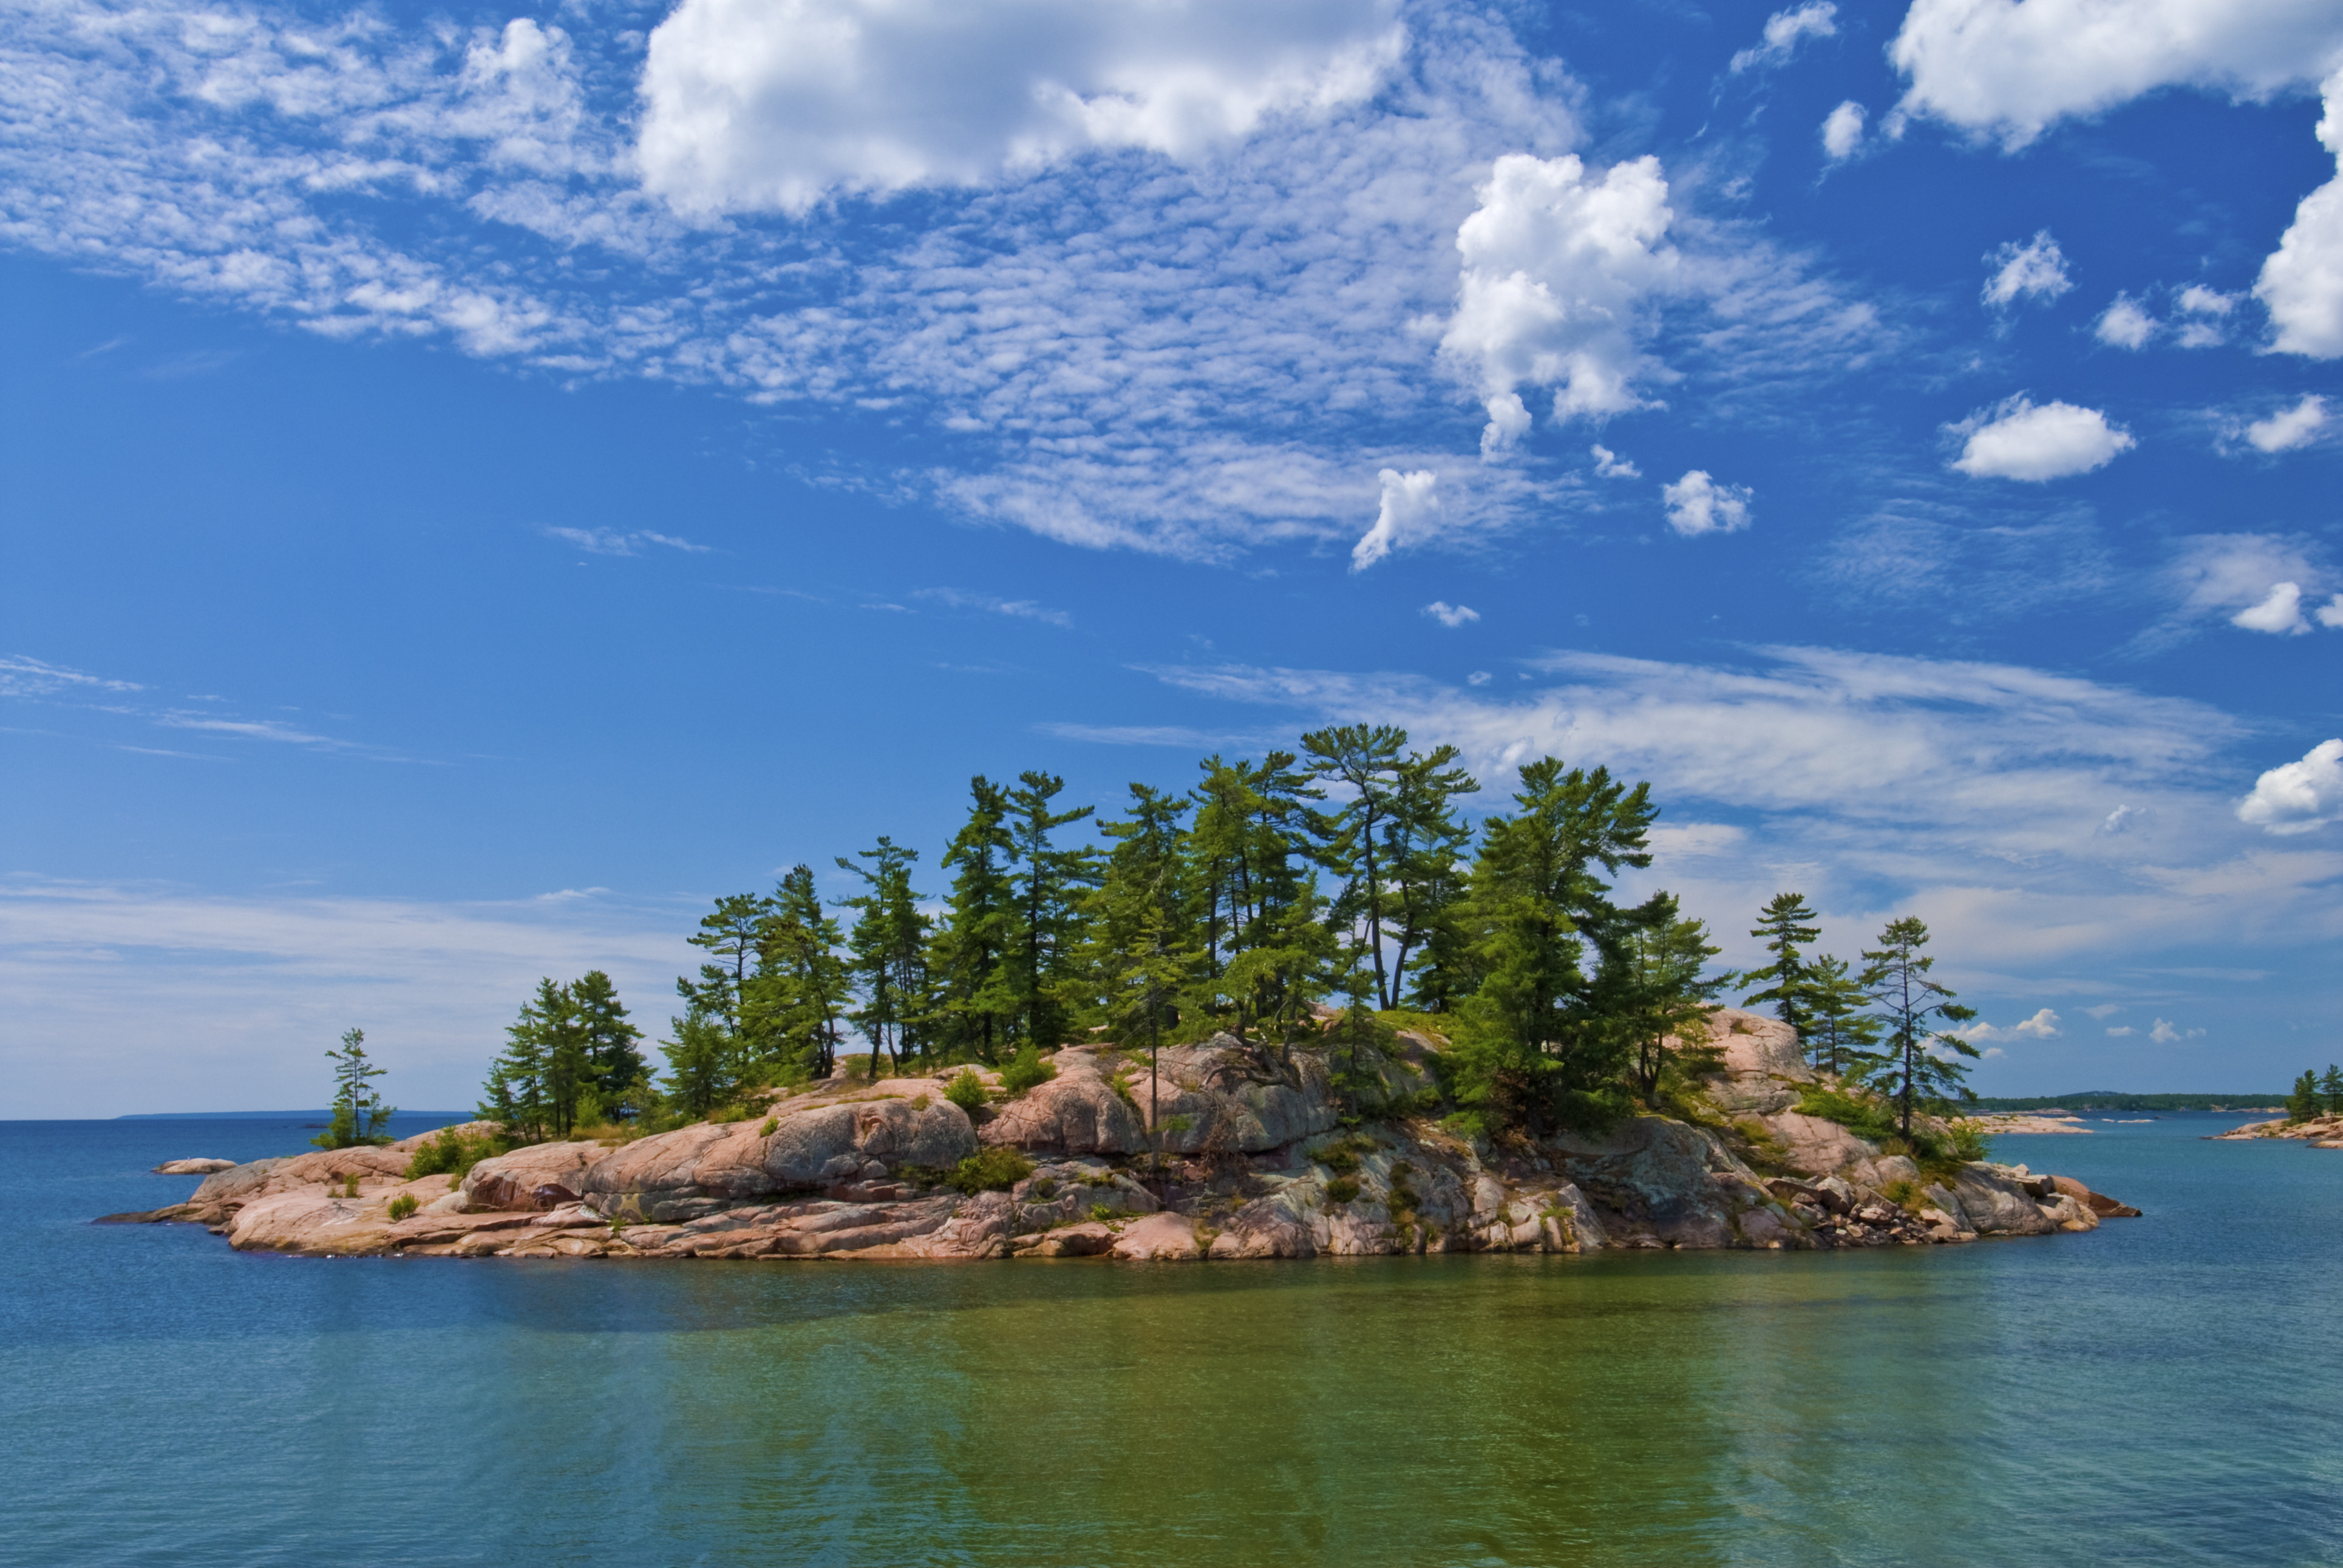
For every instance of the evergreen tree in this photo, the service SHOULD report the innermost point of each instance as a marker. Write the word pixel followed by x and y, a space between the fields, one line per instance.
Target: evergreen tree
pixel 889 948
pixel 616 1073
pixel 1529 1049
pixel 1788 980
pixel 1661 1000
pixel 1426 849
pixel 975 1004
pixel 804 984
pixel 1049 880
pixel 699 1075
pixel 1915 1068
pixel 1843 1037
pixel 1365 759
pixel 359 1113
pixel 2331 1087
pixel 2304 1103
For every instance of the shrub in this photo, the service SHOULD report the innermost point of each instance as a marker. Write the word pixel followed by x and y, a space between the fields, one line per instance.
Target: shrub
pixel 773 1125
pixel 993 1170
pixel 1342 1189
pixel 1027 1070
pixel 403 1205
pixel 1045 1189
pixel 1966 1140
pixel 1902 1193
pixel 966 1090
pixel 1100 1211
pixel 1866 1117
pixel 450 1153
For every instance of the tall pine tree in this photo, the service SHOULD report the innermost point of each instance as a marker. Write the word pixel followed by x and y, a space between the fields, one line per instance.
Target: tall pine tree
pixel 1916 1071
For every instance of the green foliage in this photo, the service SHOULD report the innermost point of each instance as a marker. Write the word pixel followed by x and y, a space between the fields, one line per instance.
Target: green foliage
pixel 994 1169
pixel 1922 1066
pixel 403 1205
pixel 2330 1087
pixel 1027 1070
pixel 569 1059
pixel 967 1091
pixel 1864 1115
pixel 773 1125
pixel 890 947
pixel 2112 1099
pixel 1102 1211
pixel 449 1153
pixel 1902 1192
pixel 2305 1101
pixel 1788 980
pixel 1967 1140
pixel 1342 1189
pixel 359 1113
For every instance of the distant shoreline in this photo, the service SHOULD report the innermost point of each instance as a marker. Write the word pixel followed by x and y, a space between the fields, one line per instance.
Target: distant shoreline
pixel 272 1116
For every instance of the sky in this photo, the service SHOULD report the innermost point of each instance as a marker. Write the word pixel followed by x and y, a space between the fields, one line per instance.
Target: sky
pixel 475 484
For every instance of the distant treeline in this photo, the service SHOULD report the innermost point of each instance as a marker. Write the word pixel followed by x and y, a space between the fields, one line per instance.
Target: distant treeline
pixel 2108 1099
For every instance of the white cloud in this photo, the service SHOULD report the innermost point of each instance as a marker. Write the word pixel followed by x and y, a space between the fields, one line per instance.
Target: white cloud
pixel 2012 70
pixel 2301 282
pixel 2167 1033
pixel 1843 131
pixel 1783 32
pixel 1018 608
pixel 2119 1031
pixel 2120 819
pixel 21 676
pixel 2104 1010
pixel 1699 504
pixel 2290 427
pixel 1609 465
pixel 2280 611
pixel 1557 271
pixel 2297 797
pixel 2043 1025
pixel 1509 421
pixel 258 987
pixel 2016 440
pixel 1409 514
pixel 2034 270
pixel 749 105
pixel 2330 614
pixel 1452 615
pixel 2124 323
pixel 613 542
pixel 1478 678
pixel 2228 575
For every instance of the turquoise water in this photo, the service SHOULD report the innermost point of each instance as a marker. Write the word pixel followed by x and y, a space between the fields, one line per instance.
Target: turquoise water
pixel 2167 1390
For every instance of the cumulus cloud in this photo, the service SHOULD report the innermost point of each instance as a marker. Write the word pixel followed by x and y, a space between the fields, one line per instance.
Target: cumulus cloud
pixel 2290 427
pixel 1609 465
pixel 2017 440
pixel 1557 268
pixel 1452 615
pixel 2011 70
pixel 748 105
pixel 1843 131
pixel 1783 32
pixel 2043 1025
pixel 1699 504
pixel 2166 1032
pixel 2034 270
pixel 2279 610
pixel 1410 514
pixel 2301 283
pixel 2124 323
pixel 2297 797
pixel 2207 311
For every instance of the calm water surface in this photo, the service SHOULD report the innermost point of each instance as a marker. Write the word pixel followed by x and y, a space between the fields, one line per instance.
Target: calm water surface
pixel 2167 1390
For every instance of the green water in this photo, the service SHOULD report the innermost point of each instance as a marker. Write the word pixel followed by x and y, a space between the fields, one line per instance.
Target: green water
pixel 2164 1390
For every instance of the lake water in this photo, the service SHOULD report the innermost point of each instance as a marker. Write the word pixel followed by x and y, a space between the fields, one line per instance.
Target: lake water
pixel 2167 1390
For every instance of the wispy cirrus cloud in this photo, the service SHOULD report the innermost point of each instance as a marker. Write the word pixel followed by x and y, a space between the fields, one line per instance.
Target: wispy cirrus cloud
pixel 1017 608
pixel 613 542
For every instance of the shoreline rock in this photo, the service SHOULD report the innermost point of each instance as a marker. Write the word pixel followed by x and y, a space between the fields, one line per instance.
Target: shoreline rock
pixel 1251 1160
pixel 2319 1132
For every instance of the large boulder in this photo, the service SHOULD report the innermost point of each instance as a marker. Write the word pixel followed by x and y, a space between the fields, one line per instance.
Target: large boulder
pixel 1762 1064
pixel 695 1170
pixel 198 1167
pixel 541 1177
pixel 1654 1177
pixel 1222 1097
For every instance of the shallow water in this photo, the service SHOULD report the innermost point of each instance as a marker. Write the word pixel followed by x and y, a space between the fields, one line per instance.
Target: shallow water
pixel 2165 1390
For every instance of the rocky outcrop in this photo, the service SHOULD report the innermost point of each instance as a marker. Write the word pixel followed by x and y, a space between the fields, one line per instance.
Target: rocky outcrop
pixel 2318 1131
pixel 193 1167
pixel 1225 1151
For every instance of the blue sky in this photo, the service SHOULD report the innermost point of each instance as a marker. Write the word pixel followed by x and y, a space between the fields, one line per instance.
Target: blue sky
pixel 478 483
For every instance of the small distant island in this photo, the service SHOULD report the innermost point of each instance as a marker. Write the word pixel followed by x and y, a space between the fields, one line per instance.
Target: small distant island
pixel 1302 1010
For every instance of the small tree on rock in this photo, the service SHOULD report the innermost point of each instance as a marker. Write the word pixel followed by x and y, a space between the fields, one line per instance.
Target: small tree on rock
pixel 2304 1103
pixel 1915 1071
pixel 360 1113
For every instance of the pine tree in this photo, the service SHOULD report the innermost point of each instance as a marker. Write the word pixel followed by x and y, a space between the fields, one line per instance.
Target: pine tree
pixel 1365 759
pixel 2331 1087
pixel 616 1073
pixel 1426 849
pixel 699 1076
pixel 359 1113
pixel 1529 1049
pixel 1050 882
pixel 1784 926
pixel 1897 982
pixel 804 981
pixel 2304 1103
pixel 974 1005
pixel 888 945
pixel 1843 1037
pixel 731 935
pixel 1661 1000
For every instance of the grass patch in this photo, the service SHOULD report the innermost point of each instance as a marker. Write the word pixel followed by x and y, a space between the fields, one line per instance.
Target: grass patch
pixel 1866 1117
pixel 993 1170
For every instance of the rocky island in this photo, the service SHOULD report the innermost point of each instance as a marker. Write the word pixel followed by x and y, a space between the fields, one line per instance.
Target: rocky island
pixel 2317 1131
pixel 1250 1153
